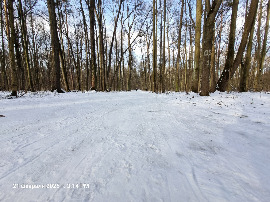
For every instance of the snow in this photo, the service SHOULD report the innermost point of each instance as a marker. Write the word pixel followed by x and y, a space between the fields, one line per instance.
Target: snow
pixel 135 146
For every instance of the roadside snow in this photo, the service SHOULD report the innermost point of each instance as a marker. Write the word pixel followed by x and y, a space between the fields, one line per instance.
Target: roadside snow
pixel 135 146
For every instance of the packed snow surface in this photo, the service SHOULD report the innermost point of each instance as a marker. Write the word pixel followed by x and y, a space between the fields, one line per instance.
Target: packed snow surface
pixel 135 146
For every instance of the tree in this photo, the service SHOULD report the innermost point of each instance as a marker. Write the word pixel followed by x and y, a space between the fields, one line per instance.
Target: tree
pixel 177 87
pixel 20 69
pixel 229 71
pixel 129 54
pixel 195 86
pixel 155 88
pixel 261 56
pixel 102 55
pixel 9 13
pixel 208 34
pixel 55 46
pixel 25 45
pixel 103 74
pixel 114 34
pixel 3 53
pixel 245 66
pixel 91 8
pixel 61 47
pixel 163 56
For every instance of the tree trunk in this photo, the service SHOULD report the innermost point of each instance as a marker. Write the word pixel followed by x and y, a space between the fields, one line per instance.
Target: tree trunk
pixel 169 58
pixel 77 61
pixel 164 56
pixel 11 41
pixel 213 68
pixel 179 48
pixel 113 36
pixel 190 52
pixel 20 70
pixel 263 52
pixel 219 45
pixel 228 72
pixel 71 52
pixel 195 86
pixel 207 45
pixel 3 53
pixel 129 56
pixel 55 46
pixel 160 49
pixel 185 59
pixel 245 67
pixel 68 51
pixel 34 56
pixel 25 45
pixel 258 49
pixel 91 8
pixel 122 55
pixel 155 89
pixel 103 74
pixel 86 46
pixel 62 49
pixel 149 86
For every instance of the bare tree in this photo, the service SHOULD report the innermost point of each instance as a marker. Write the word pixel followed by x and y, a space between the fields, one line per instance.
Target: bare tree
pixel 229 71
pixel 55 46
pixel 3 53
pixel 195 86
pixel 262 53
pixel 25 44
pixel 155 88
pixel 245 66
pixel 208 34
pixel 9 13
pixel 177 84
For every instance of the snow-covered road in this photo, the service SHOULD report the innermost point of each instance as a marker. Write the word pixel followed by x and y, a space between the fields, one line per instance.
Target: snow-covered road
pixel 135 146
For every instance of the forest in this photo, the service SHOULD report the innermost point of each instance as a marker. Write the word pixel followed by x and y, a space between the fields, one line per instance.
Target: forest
pixel 122 45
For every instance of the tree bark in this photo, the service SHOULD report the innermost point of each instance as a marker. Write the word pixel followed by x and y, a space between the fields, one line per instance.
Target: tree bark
pixel 34 55
pixel 245 67
pixel 86 46
pixel 258 49
pixel 11 42
pixel 62 49
pixel 93 69
pixel 207 45
pixel 114 34
pixel 164 56
pixel 219 45
pixel 213 68
pixel 55 46
pixel 195 86
pixel 103 74
pixel 129 57
pixel 155 88
pixel 263 52
pixel 169 58
pixel 25 45
pixel 20 69
pixel 77 60
pixel 69 49
pixel 3 53
pixel 179 48
pixel 228 72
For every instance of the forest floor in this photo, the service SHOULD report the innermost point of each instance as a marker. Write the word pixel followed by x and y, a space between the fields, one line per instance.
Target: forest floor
pixel 135 146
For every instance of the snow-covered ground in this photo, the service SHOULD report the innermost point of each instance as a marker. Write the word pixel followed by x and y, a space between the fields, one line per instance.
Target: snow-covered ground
pixel 135 146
